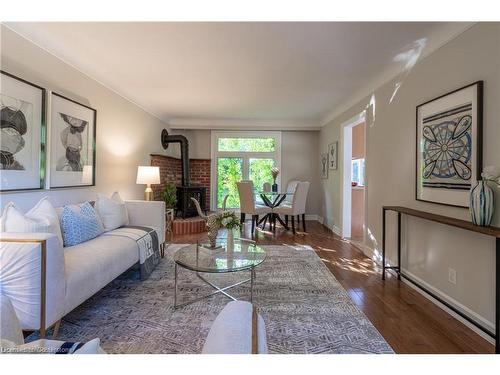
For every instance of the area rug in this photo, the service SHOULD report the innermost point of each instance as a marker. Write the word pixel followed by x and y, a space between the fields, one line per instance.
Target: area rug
pixel 305 309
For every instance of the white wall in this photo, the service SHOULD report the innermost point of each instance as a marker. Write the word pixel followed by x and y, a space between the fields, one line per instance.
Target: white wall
pixel 126 134
pixel 300 161
pixel 429 249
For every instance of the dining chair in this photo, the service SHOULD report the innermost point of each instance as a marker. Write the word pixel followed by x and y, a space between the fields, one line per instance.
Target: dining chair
pixel 248 205
pixel 298 206
pixel 290 189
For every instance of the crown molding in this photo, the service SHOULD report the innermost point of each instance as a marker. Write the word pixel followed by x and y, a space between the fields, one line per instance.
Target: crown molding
pixel 241 124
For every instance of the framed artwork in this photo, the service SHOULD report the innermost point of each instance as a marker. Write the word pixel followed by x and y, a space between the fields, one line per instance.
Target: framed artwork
pixel 22 138
pixel 72 143
pixel 449 146
pixel 324 165
pixel 332 155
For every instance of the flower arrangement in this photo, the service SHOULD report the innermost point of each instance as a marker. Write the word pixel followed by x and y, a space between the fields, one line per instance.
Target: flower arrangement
pixel 275 172
pixel 491 173
pixel 228 220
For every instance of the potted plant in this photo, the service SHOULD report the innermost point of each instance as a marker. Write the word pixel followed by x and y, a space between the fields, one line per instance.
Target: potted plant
pixel 170 195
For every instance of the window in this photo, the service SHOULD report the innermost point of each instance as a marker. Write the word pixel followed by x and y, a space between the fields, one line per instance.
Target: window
pixel 240 156
pixel 358 171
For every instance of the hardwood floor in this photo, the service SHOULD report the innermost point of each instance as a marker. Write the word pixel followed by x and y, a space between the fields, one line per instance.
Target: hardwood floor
pixel 409 322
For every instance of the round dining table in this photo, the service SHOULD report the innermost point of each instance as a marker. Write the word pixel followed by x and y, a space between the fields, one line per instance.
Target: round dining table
pixel 273 199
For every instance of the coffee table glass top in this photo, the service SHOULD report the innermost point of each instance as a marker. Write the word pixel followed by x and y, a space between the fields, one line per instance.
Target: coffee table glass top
pixel 242 255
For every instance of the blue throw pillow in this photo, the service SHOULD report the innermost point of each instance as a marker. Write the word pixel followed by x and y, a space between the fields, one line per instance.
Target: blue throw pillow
pixel 78 227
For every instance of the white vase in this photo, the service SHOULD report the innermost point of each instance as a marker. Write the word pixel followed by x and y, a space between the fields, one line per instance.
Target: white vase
pixel 230 236
pixel 481 204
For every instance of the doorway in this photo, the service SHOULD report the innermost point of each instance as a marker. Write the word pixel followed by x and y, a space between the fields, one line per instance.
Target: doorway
pixel 354 187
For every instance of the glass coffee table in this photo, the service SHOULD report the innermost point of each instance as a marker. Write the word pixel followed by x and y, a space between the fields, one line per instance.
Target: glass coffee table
pixel 240 255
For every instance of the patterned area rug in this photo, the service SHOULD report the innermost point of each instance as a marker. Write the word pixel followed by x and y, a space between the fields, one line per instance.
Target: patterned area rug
pixel 305 308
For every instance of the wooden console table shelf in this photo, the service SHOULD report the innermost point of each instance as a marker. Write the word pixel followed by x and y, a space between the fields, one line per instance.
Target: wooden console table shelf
pixel 457 223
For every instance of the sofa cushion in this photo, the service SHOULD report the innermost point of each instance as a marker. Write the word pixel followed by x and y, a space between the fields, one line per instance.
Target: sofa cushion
pixel 93 264
pixel 80 226
pixel 112 211
pixel 42 218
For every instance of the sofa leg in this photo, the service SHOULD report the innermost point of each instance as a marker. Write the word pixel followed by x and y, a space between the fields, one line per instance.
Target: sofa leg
pixel 242 218
pixel 253 223
pixel 55 333
pixel 304 221
pixel 293 224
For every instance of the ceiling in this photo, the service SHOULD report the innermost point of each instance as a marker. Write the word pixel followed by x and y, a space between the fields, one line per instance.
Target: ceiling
pixel 233 75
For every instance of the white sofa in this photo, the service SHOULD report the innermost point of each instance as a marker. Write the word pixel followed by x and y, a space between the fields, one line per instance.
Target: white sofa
pixel 72 274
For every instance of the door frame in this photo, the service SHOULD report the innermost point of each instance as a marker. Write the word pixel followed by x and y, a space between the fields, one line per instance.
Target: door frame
pixel 346 202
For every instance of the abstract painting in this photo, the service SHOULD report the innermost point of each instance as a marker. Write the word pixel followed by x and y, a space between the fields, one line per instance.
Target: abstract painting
pixel 324 165
pixel 22 141
pixel 332 155
pixel 449 146
pixel 72 143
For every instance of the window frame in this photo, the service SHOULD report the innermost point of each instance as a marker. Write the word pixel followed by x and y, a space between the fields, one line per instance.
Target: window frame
pixel 246 155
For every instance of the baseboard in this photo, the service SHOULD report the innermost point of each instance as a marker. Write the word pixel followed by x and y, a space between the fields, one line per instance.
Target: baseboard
pixel 462 308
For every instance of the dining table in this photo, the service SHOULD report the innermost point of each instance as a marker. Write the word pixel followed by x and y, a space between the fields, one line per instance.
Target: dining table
pixel 273 199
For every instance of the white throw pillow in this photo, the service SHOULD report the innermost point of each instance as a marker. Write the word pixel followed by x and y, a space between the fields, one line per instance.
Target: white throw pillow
pixel 112 211
pixel 42 218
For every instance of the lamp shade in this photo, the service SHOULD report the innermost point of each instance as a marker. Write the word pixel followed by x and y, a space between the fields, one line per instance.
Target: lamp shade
pixel 148 175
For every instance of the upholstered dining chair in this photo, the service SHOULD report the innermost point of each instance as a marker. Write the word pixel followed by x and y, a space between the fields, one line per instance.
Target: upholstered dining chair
pixel 298 206
pixel 248 205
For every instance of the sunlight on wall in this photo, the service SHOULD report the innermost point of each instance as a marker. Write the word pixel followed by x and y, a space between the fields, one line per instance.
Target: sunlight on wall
pixel 409 59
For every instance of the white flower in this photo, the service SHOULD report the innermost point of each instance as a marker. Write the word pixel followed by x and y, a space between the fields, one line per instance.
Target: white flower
pixel 491 172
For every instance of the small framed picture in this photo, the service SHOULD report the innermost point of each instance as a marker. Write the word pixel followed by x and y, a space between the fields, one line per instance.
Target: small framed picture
pixel 22 149
pixel 449 146
pixel 72 143
pixel 324 165
pixel 332 155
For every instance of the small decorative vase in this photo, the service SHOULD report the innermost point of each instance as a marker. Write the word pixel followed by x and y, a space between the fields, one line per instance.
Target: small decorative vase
pixel 481 204
pixel 274 188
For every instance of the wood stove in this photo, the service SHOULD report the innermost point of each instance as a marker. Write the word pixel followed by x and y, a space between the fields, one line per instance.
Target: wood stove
pixel 185 207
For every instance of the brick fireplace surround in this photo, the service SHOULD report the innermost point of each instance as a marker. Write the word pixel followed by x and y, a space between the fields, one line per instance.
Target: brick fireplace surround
pixel 171 172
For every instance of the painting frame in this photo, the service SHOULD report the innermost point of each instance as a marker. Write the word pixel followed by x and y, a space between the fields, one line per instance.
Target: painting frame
pixel 467 102
pixel 323 160
pixel 333 155
pixel 76 174
pixel 35 177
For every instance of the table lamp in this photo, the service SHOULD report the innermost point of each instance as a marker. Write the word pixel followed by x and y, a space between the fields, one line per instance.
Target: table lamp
pixel 147 176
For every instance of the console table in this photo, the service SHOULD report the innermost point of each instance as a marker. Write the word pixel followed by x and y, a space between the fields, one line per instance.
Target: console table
pixel 457 223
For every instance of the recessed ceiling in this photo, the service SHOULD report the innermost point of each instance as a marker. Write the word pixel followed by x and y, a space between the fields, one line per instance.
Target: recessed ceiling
pixel 231 75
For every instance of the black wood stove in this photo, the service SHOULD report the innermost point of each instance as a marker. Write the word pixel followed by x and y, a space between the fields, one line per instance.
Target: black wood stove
pixel 185 206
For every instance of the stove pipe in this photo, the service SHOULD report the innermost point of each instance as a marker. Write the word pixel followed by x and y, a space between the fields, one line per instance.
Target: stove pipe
pixel 166 139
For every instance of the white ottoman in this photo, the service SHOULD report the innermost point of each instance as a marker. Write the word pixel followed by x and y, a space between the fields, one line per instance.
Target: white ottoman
pixel 232 331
